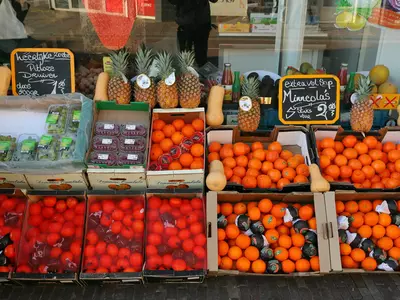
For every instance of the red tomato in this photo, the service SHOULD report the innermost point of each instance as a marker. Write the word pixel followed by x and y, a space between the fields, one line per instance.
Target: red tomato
pixel 105 220
pixel 95 207
pixel 9 251
pixel 75 248
pixel 35 209
pixel 136 260
pixel 124 253
pixel 196 203
pixel 108 206
pixel 80 208
pixel 55 227
pixel 91 262
pixel 92 237
pixel 125 204
pixel 69 214
pixel 101 247
pixel 53 238
pixel 117 215
pixel 9 204
pixel 112 250
pixel 128 220
pixel 116 227
pixel 49 201
pixel 55 252
pixel 127 232
pixel 106 261
pixel 71 202
pixel 61 206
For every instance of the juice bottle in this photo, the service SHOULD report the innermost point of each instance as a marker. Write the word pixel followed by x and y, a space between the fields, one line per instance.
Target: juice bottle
pixel 343 79
pixel 236 87
pixel 349 91
pixel 227 82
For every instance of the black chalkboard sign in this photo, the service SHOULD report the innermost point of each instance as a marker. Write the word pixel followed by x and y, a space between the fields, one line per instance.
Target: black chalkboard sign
pixel 309 99
pixel 42 71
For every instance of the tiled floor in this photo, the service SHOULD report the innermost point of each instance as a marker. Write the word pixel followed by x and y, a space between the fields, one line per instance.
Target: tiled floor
pixel 335 287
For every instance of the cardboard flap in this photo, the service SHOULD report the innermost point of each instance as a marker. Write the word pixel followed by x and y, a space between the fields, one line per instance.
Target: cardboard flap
pixel 263 136
pixel 212 232
pixel 334 248
pixel 323 235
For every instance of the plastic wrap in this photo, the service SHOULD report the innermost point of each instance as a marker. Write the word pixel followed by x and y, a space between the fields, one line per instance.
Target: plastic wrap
pixel 23 114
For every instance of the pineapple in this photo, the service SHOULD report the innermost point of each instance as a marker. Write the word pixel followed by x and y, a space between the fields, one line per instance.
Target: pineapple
pixel 189 84
pixel 249 107
pixel 119 87
pixel 167 92
pixel 143 63
pixel 362 113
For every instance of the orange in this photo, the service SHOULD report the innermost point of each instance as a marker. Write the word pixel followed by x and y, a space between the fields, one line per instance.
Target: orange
pixel 275 175
pixel 214 147
pixel 175 166
pixel 178 124
pixel 314 263
pixel 327 143
pixel 188 131
pixel 177 138
pixel 358 176
pixel 252 172
pixel 197 150
pixel 213 156
pixel 285 241
pixel 339 207
pixel 349 141
pixel 306 212
pixel 348 262
pixel 239 171
pixel 186 159
pixel 155 152
pixel 226 209
pixel 278 211
pixel 198 124
pixel 239 149
pixel 384 219
pixel 228 173
pixel 264 182
pixel 365 231
pixel 300 179
pixel 157 136
pixel 234 252
pixel 378 231
pixel 158 125
pixel 385 243
pixel 265 205
pixel 198 163
pixel 235 179
pixel 243 241
pixel 340 160
pixel 356 220
pixel 251 253
pixel 255 163
pixel 281 253
pixel 259 154
pixel 397 242
pixel 365 206
pixel 242 161
pixel 350 153
pixel 312 223
pixel 324 161
pixel 168 130
pixel 288 266
pixel 365 159
pixel 239 208
pixel 221 234
pixel 282 229
pixel 272 236
pixel 275 146
pixel 298 240
pixel 378 165
pixel 229 162
pixel 361 148
pixel 232 231
pixel 293 162
pixel 254 214
pixel 355 164
pixel 269 221
pixel 345 249
pixel 231 219
pixel 369 264
pixel 392 231
pixel 271 156
pixel 223 248
pixel 388 146
pixel 338 147
pixel 303 265
pixel 370 141
pixel 295 253
pixel 256 145
pixel 243 264
pixel 226 263
pixel 330 152
pixel 357 254
pixel 351 206
pixel 289 173
pixel 394 253
pixel 249 182
pixel 371 218
pixel 279 164
pixel 258 266
pixel 333 171
pixel 286 154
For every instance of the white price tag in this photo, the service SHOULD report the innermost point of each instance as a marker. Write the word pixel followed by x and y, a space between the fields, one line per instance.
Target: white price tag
pixel 143 81
pixel 170 80
pixel 109 126
pixel 245 103
pixel 130 127
pixel 102 156
pixel 106 141
pixel 133 157
pixel 129 141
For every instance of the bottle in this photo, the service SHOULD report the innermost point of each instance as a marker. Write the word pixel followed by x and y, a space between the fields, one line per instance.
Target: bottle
pixel 343 79
pixel 349 91
pixel 242 222
pixel 227 82
pixel 236 87
pixel 257 227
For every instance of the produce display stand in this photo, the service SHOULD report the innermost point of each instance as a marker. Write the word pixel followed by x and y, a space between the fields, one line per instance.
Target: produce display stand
pixel 38 278
pixel 171 276
pixel 119 277
pixel 168 179
pixel 125 177
pixel 293 138
pixel 345 196
pixel 317 199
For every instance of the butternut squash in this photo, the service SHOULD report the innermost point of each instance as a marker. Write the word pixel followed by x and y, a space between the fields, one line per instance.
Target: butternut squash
pixel 5 79
pixel 398 119
pixel 216 180
pixel 214 115
pixel 318 183
pixel 101 92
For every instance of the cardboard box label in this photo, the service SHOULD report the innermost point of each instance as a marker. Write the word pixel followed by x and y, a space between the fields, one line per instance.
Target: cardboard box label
pixel 13 181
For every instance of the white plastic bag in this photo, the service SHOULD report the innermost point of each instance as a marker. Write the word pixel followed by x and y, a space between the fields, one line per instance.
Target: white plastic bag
pixel 11 27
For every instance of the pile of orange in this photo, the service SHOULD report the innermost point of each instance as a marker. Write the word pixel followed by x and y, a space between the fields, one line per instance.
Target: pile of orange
pixel 177 146
pixel 375 231
pixel 239 250
pixel 256 167
pixel 367 163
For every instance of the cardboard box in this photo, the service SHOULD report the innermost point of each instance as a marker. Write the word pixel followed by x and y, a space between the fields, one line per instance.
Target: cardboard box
pixel 135 245
pixel 261 18
pixel 213 198
pixel 171 276
pixel 386 134
pixel 59 182
pixel 263 28
pixel 117 180
pixel 167 179
pixel 234 28
pixel 21 198
pixel 330 200
pixel 25 253
pixel 13 180
pixel 293 138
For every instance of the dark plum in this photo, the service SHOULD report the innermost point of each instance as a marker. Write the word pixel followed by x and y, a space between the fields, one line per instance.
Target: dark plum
pixel 130 158
pixel 106 158
pixel 133 130
pixel 130 144
pixel 105 143
pixel 107 129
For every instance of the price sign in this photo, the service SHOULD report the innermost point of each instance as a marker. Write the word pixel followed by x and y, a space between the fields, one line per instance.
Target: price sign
pixel 44 71
pixel 309 99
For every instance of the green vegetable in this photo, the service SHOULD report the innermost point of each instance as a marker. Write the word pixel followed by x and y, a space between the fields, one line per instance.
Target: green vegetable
pixel 47 148
pixel 7 147
pixel 67 147
pixel 57 119
pixel 74 120
pixel 26 150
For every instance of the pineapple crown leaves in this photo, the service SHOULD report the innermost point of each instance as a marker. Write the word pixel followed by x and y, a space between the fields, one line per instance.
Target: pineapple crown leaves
pixel 143 60
pixel 163 64
pixel 364 88
pixel 120 61
pixel 186 59
pixel 251 88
